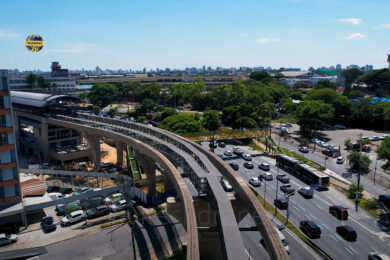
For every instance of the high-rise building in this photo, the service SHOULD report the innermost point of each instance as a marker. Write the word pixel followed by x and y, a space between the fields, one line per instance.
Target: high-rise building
pixel 10 195
pixel 338 67
pixel 98 71
pixel 367 68
pixel 388 59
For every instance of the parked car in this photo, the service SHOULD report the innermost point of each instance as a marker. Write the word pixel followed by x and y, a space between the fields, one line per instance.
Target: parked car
pixel 306 192
pixel 248 165
pixel 314 141
pixel 267 176
pixel 323 144
pixel 226 185
pixel 82 190
pixel 228 153
pixel 113 198
pixel 221 144
pixel 339 212
pixel 287 125
pixel 278 126
pixel 255 182
pixel 281 203
pixel 220 155
pixel 65 191
pixel 340 160
pixel 98 211
pixel 6 239
pixel 247 157
pixel 328 152
pixel 56 195
pixel 339 126
pixel 48 224
pixel 67 208
pixel 303 149
pixel 287 189
pixel 310 228
pixel 378 256
pixel 283 178
pixel 383 137
pixel 73 217
pixel 237 151
pixel 234 165
pixel 264 166
pixel 118 206
pixel 347 232
pixel 374 138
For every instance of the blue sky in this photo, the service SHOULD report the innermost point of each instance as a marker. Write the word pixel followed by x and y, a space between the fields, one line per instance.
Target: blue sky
pixel 177 34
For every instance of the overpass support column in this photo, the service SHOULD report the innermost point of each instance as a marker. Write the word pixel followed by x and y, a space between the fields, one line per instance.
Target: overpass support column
pixel 119 152
pixel 167 183
pixel 94 143
pixel 149 167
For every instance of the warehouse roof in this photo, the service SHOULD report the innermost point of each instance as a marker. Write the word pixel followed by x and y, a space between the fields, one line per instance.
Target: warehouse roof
pixel 36 99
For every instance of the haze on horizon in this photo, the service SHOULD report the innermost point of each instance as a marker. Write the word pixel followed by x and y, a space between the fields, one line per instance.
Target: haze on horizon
pixel 178 34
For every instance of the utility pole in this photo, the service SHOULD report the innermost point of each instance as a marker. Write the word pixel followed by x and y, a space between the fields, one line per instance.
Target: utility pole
pixel 358 172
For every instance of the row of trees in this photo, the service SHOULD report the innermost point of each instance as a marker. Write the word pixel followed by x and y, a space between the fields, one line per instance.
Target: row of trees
pixel 35 81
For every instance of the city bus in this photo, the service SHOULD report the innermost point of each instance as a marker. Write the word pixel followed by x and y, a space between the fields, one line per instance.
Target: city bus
pixel 305 173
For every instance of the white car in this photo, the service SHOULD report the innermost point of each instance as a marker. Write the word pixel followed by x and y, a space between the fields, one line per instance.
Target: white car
pixel 6 239
pixel 73 217
pixel 113 198
pixel 56 195
pixel 118 206
pixel 323 144
pixel 255 182
pixel 340 160
pixel 378 256
pixel 228 153
pixel 267 176
pixel 383 137
pixel 247 157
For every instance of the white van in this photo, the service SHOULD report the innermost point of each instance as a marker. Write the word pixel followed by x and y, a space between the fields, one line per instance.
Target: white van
pixel 284 241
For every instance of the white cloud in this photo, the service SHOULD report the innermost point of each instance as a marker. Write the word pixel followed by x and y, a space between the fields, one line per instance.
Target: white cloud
pixel 266 40
pixel 355 36
pixel 384 26
pixel 354 21
pixel 77 48
pixel 8 33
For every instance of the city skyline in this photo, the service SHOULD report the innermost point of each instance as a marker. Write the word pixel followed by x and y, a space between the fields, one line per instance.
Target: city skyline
pixel 284 33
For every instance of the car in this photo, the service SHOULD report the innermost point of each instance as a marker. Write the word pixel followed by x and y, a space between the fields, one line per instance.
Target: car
pixel 283 240
pixel 221 144
pixel 333 148
pixel 264 166
pixel 247 157
pixel 6 239
pixel 98 211
pixel 228 153
pixel 310 228
pixel 118 206
pixel 255 182
pixel 278 126
pixel 237 151
pixel 323 144
pixel 385 199
pixel 378 256
pixel 306 192
pixel 113 198
pixel 339 212
pixel 347 232
pixel 340 160
pixel 73 217
pixel 283 178
pixel 287 189
pixel 220 155
pixel 339 126
pixel 56 195
pixel 180 108
pixel 285 131
pixel 374 138
pixel 226 185
pixel 234 165
pixel 314 140
pixel 287 125
pixel 82 190
pixel 48 224
pixel 383 137
pixel 328 152
pixel 303 149
pixel 267 176
pixel 248 165
pixel 281 203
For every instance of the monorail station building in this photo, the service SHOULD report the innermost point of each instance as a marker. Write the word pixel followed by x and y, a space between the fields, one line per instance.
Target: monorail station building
pixel 43 141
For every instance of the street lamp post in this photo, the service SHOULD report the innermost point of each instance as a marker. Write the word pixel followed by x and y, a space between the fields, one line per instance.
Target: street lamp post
pixel 358 172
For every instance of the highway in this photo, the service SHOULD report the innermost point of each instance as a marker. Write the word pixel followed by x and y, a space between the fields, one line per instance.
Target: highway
pixel 370 236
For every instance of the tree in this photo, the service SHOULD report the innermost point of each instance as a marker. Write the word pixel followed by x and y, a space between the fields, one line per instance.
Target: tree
pixel 182 123
pixel 83 95
pixel 113 111
pixel 242 116
pixel 211 119
pixel 384 153
pixel 141 119
pixel 259 75
pixel 348 144
pixel 150 91
pixel 195 88
pixel 96 109
pixel 326 84
pixel 41 82
pixel 296 95
pixel 376 78
pixel 352 191
pixel 147 106
pixel 168 111
pixel 102 94
pixel 351 75
pixel 32 80
pixel 312 113
pixel 359 162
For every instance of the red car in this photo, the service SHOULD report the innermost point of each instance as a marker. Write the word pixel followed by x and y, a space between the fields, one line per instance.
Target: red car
pixel 339 211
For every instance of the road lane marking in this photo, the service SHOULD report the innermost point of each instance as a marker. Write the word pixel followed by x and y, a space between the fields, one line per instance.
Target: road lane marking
pixel 302 208
pixel 297 208
pixel 250 257
pixel 380 235
pixel 311 215
pixel 325 226
pixel 351 250
pixel 333 237
pixel 307 216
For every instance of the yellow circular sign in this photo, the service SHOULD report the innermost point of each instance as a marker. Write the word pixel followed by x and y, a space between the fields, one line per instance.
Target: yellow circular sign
pixel 34 43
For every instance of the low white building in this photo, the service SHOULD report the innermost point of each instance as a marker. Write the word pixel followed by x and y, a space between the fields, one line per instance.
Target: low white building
pixel 64 84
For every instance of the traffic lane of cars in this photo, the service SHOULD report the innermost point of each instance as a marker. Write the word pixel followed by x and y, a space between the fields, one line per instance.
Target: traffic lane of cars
pixel 302 208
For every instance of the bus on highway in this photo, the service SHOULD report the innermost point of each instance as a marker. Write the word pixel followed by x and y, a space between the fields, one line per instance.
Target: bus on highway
pixel 302 171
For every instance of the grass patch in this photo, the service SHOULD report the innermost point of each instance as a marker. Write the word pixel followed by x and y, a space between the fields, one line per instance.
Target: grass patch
pixel 302 158
pixel 370 206
pixel 103 153
pixel 256 147
pixel 121 221
pixel 160 186
pixel 284 120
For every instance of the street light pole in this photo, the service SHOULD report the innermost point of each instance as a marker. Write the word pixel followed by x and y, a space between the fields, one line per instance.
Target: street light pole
pixel 358 172
pixel 376 161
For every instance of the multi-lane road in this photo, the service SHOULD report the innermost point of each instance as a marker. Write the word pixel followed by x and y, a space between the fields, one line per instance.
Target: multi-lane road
pixel 371 236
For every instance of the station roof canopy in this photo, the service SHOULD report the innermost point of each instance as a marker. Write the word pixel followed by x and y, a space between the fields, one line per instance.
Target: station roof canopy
pixel 38 100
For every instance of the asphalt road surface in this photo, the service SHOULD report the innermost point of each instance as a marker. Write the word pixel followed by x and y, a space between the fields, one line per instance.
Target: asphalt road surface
pixel 371 236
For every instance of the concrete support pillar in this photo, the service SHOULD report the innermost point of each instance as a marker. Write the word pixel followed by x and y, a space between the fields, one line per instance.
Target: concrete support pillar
pixel 44 140
pixel 168 185
pixel 119 152
pixel 240 211
pixel 94 143
pixel 149 167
